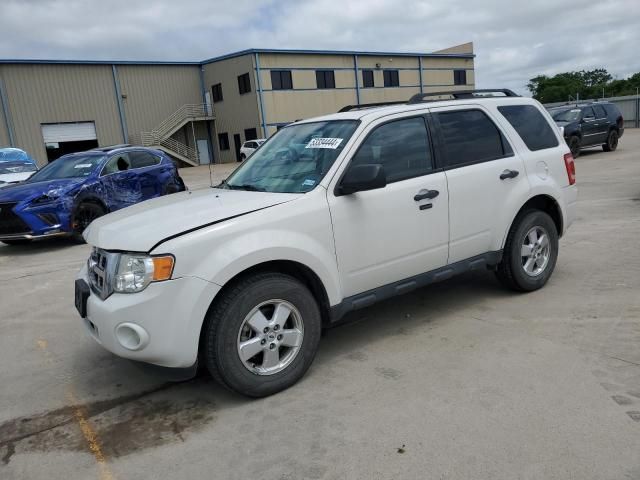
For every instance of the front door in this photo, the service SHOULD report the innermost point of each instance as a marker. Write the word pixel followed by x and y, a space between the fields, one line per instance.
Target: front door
pixel 203 152
pixel 395 232
pixel 121 184
pixel 238 144
pixel 483 174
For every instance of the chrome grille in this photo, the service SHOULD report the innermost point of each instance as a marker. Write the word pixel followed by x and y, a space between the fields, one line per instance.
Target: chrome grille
pixel 102 266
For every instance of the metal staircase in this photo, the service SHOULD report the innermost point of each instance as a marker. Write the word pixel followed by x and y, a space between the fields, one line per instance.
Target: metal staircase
pixel 160 136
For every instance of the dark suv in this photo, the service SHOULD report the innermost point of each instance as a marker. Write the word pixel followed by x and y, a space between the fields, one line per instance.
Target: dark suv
pixel 590 125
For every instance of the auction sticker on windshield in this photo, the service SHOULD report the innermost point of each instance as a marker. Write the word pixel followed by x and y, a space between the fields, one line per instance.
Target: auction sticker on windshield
pixel 331 143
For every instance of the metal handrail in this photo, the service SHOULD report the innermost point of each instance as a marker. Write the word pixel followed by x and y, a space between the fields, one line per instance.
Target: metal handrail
pixel 185 112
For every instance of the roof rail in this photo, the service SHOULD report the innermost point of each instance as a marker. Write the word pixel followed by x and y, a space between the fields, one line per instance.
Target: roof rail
pixel 348 108
pixel 461 94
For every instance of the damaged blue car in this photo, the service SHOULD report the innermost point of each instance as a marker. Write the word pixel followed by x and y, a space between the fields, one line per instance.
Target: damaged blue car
pixel 65 196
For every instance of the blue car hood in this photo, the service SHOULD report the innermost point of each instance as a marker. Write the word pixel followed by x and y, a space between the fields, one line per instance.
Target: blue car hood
pixel 28 190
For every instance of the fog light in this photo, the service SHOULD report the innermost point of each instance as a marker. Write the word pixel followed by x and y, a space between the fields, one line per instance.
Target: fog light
pixel 132 336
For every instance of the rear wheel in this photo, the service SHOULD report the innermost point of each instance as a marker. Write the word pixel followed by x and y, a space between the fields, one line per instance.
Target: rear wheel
pixel 530 253
pixel 262 335
pixel 84 214
pixel 574 146
pixel 612 142
pixel 243 157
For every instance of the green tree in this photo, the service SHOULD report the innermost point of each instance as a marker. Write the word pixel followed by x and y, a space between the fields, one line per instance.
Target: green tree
pixel 585 84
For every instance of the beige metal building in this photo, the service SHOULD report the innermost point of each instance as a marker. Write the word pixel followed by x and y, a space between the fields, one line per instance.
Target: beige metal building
pixel 203 111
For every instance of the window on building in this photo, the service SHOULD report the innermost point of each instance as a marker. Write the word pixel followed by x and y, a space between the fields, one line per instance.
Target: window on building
pixel 216 92
pixel 325 79
pixel 244 83
pixel 401 147
pixel 470 137
pixel 391 78
pixel 223 141
pixel 281 80
pixel 459 77
pixel 250 133
pixel 532 127
pixel 367 79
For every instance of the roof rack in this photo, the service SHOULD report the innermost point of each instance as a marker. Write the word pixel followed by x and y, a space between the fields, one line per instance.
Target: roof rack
pixel 462 94
pixel 108 148
pixel 348 108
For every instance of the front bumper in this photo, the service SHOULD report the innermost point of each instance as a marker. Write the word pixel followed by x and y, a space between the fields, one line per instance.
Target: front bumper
pixel 21 221
pixel 166 316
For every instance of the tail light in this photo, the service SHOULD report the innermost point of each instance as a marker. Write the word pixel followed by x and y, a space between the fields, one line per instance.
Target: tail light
pixel 571 168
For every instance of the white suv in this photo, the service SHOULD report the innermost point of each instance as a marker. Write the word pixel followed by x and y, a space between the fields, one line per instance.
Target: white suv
pixel 330 215
pixel 249 147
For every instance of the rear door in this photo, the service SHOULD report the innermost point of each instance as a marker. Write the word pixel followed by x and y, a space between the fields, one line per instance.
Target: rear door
pixel 148 172
pixel 392 233
pixel 482 173
pixel 589 126
pixel 602 124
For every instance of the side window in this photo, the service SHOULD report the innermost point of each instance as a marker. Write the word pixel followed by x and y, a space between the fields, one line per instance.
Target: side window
pixel 401 147
pixel 391 78
pixel 531 125
pixel 223 141
pixel 469 136
pixel 459 77
pixel 588 114
pixel 600 112
pixel 325 79
pixel 143 159
pixel 118 163
pixel 367 79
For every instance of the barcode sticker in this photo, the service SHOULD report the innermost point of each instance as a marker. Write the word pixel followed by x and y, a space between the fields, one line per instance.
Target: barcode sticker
pixel 331 143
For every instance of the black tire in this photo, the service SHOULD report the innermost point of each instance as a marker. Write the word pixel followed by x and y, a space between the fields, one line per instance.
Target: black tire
pixel 22 241
pixel 612 142
pixel 511 270
pixel 243 157
pixel 574 146
pixel 83 215
pixel 225 320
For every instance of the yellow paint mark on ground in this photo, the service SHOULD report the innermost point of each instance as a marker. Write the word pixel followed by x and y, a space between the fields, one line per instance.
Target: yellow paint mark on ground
pixel 80 414
pixel 90 435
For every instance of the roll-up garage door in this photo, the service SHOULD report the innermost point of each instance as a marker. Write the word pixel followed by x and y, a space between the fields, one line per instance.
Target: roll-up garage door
pixel 69 132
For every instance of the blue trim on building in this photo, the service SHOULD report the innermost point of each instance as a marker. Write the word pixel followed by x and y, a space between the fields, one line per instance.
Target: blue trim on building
pixel 306 89
pixel 420 73
pixel 93 62
pixel 260 100
pixel 355 72
pixel 123 118
pixel 7 114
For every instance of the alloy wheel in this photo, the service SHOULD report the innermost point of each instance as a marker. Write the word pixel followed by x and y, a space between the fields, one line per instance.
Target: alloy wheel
pixel 535 251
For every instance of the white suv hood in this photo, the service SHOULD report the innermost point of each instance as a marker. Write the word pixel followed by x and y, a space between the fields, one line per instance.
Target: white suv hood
pixel 139 227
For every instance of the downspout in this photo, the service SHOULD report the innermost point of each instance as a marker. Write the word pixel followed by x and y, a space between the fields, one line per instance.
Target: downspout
pixel 123 119
pixel 6 114
pixel 355 70
pixel 203 90
pixel 260 101
pixel 420 70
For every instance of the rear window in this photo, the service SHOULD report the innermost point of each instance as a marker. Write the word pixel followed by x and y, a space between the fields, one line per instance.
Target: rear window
pixel 470 137
pixel 533 128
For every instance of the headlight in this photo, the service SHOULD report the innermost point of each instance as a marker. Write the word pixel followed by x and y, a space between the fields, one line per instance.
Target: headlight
pixel 42 199
pixel 135 272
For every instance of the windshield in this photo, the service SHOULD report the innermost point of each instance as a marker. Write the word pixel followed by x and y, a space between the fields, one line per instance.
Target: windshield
pixel 295 158
pixel 68 167
pixel 13 154
pixel 16 167
pixel 566 115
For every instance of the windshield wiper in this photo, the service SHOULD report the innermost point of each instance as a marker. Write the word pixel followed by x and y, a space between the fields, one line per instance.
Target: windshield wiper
pixel 247 187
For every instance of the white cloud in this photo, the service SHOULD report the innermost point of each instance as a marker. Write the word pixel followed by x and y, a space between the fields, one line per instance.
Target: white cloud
pixel 514 41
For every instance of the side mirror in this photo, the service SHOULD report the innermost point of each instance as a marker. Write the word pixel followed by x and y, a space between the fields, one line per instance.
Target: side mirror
pixel 363 177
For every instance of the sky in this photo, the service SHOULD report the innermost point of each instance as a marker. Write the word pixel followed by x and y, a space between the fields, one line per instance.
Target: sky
pixel 513 40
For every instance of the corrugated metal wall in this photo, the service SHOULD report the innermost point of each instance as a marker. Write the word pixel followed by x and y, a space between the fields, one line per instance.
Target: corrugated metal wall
pixel 236 112
pixel 40 94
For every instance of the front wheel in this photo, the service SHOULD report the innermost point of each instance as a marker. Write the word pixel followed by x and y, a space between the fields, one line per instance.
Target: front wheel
pixel 612 142
pixel 262 335
pixel 530 253
pixel 84 214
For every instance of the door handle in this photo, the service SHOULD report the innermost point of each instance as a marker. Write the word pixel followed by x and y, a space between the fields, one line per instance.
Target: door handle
pixel 426 194
pixel 509 174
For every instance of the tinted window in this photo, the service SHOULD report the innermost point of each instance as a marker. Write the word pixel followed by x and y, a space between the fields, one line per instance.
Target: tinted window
pixel 244 84
pixel 223 141
pixel 216 92
pixel 459 77
pixel 531 125
pixel 68 167
pixel 249 145
pixel 391 78
pixel 325 79
pixel 401 147
pixel 250 134
pixel 281 80
pixel 470 136
pixel 118 163
pixel 143 159
pixel 600 113
pixel 367 78
pixel 587 112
